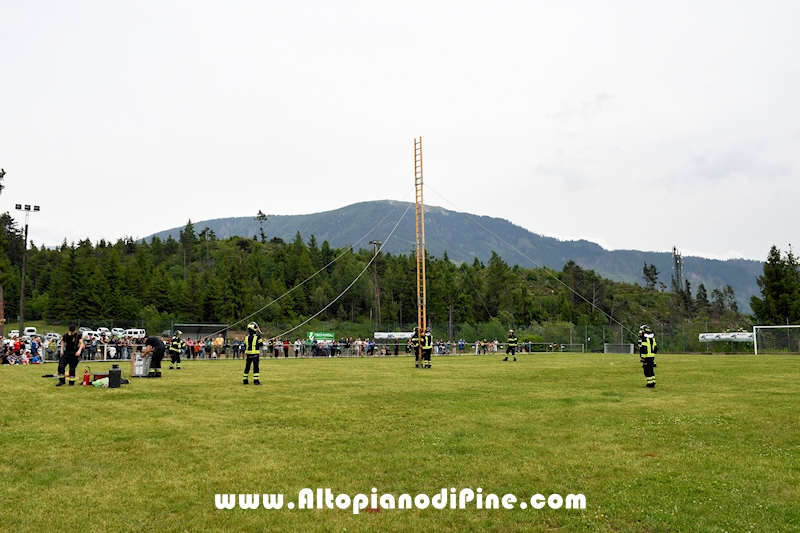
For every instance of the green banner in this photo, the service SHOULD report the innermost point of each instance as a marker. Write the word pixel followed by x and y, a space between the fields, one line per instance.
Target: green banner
pixel 320 335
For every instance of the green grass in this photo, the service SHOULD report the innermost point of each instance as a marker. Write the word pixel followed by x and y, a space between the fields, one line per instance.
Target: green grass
pixel 715 447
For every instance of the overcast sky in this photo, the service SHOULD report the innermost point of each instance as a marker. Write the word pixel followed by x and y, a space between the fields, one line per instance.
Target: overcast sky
pixel 636 125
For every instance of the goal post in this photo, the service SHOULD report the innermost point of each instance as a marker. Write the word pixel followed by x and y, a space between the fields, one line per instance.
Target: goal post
pixel 776 339
pixel 574 348
pixel 538 347
pixel 618 348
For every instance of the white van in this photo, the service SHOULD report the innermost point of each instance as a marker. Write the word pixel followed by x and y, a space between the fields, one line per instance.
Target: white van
pixel 135 333
pixel 29 331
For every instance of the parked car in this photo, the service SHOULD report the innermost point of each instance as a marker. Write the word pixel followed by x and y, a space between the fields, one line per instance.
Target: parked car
pixel 104 331
pixel 30 331
pixel 13 333
pixel 117 332
pixel 135 333
pixel 84 329
pixel 92 335
pixel 51 336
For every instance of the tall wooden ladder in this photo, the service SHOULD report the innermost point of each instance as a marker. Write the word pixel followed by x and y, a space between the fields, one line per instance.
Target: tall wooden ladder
pixel 422 319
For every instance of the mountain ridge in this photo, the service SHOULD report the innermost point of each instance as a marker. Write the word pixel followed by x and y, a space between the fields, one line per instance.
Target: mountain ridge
pixel 466 237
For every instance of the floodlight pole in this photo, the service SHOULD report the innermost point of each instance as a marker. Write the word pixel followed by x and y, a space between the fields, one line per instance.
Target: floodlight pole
pixel 27 210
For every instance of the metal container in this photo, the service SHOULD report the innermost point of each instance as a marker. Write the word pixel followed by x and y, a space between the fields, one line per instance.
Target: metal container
pixel 114 377
pixel 141 367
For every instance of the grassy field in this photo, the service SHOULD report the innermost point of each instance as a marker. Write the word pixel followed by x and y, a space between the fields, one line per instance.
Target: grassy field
pixel 715 447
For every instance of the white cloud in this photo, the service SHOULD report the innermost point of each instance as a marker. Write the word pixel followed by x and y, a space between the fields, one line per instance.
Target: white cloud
pixel 570 171
pixel 730 168
pixel 586 109
pixel 125 119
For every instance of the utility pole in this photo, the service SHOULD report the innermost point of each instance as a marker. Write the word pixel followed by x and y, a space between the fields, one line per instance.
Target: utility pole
pixel 375 246
pixel 27 210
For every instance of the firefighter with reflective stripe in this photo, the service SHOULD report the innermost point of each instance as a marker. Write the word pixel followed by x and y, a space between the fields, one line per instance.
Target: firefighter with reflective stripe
pixel 69 355
pixel 648 348
pixel 427 348
pixel 415 347
pixel 252 351
pixel 512 345
pixel 176 346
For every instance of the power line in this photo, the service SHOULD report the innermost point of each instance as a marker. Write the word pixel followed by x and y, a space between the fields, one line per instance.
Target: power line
pixel 611 318
pixel 347 250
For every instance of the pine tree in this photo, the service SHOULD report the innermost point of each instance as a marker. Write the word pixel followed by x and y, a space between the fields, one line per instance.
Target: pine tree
pixel 701 299
pixel 650 275
pixel 497 274
pixel 780 290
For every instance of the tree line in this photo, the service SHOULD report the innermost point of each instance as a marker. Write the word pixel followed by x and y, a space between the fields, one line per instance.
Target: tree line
pixel 200 278
pixel 699 306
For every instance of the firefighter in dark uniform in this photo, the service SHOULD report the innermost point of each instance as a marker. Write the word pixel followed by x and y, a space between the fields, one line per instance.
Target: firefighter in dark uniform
pixel 648 348
pixel 69 355
pixel 512 345
pixel 252 351
pixel 415 344
pixel 176 346
pixel 427 348
pixel 155 346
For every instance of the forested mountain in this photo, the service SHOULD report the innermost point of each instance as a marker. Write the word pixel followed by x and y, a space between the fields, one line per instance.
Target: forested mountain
pixel 466 237
pixel 202 278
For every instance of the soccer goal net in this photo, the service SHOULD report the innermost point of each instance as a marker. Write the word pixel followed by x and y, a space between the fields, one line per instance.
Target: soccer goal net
pixel 554 347
pixel 579 348
pixel 617 348
pixel 776 339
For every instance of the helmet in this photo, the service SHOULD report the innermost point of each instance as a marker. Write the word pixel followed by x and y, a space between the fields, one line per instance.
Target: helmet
pixel 511 331
pixel 252 326
pixel 178 333
pixel 645 329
